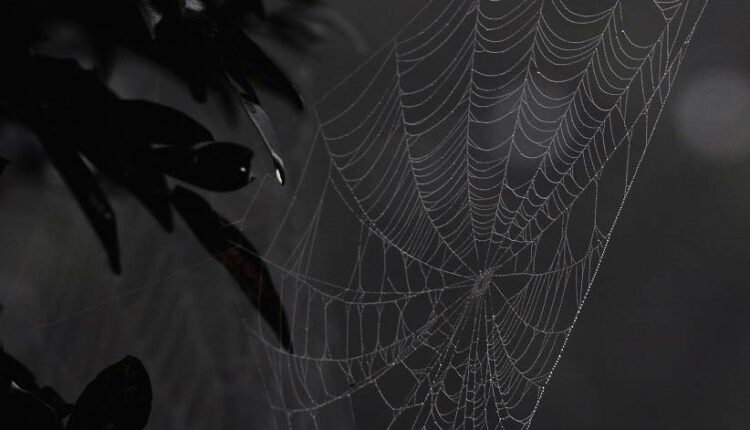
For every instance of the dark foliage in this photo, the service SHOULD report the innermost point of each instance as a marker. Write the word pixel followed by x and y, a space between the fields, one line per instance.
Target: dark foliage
pixel 119 398
pixel 205 43
pixel 23 399
pixel 214 166
pixel 86 130
pixel 234 251
pixel 20 409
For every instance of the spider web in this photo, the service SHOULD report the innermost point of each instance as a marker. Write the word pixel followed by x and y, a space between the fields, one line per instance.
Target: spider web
pixel 455 205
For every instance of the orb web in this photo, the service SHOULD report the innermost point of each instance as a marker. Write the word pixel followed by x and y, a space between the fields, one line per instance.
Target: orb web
pixel 453 208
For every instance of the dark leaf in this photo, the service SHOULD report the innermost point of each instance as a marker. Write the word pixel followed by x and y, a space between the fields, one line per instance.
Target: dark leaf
pixel 20 409
pixel 126 160
pixel 12 369
pixel 192 7
pixel 3 162
pixel 132 127
pixel 130 166
pixel 55 401
pixel 230 247
pixel 118 399
pixel 245 60
pixel 215 166
pixel 151 16
pixel 263 124
pixel 89 196
pixel 181 46
pixel 153 123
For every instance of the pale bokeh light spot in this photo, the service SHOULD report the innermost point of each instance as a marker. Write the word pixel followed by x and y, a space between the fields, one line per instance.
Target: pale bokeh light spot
pixel 712 114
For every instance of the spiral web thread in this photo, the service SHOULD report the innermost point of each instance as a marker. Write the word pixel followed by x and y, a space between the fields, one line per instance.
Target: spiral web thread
pixel 455 205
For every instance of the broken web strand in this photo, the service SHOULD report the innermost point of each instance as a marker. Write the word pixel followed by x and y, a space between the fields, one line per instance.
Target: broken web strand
pixel 480 161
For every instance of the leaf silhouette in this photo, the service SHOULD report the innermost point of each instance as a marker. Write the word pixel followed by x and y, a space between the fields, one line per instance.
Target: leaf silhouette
pixel 151 16
pixel 115 135
pixel 17 372
pixel 58 115
pixel 87 129
pixel 156 124
pixel 201 42
pixel 130 165
pixel 263 124
pixel 214 166
pixel 240 70
pixel 12 370
pixel 256 63
pixel 3 163
pixel 89 196
pixel 119 398
pixel 132 128
pixel 239 257
pixel 20 409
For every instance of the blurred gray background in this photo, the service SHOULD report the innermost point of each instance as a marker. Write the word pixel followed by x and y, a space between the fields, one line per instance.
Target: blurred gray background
pixel 663 341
